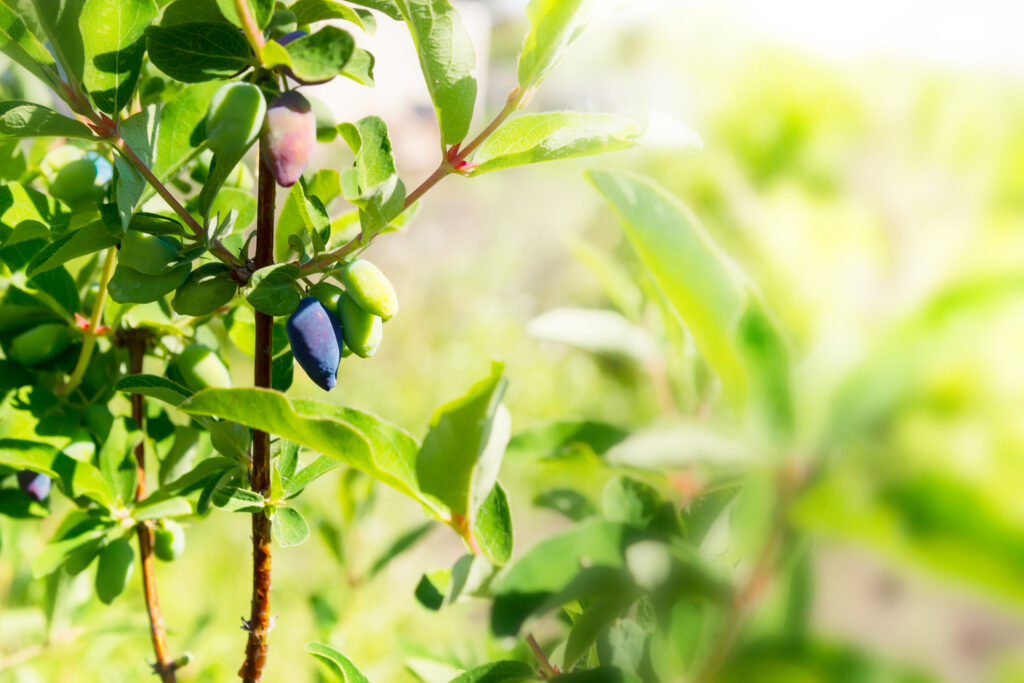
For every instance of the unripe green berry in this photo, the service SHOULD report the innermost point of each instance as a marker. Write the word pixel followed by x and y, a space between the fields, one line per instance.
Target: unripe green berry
pixel 235 117
pixel 369 287
pixel 168 540
pixel 362 331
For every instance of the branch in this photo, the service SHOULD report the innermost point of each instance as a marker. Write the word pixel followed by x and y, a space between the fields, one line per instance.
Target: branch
pixel 165 666
pixel 258 624
pixel 454 162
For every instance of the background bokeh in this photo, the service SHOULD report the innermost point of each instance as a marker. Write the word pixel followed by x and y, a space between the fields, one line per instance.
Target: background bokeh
pixel 864 164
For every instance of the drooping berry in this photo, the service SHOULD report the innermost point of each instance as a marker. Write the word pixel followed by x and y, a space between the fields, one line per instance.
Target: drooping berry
pixel 314 333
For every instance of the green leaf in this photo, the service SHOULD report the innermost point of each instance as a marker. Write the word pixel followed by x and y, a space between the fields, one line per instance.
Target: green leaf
pixel 290 527
pixel 139 133
pixel 535 138
pixel 153 386
pixel 498 672
pixel 114 43
pixel 60 20
pixel 352 437
pixel 93 237
pixel 554 26
pixel 235 199
pixel 182 127
pixel 161 505
pixel 260 10
pixel 447 60
pixel 19 119
pixel 299 226
pixel 272 289
pixel 310 11
pixel 234 499
pixel 77 478
pixel 360 67
pixel 719 304
pixel 551 567
pixel 115 566
pixel 18 505
pixel 197 52
pixel 116 460
pixel 461 454
pixel 320 56
pixel 18 43
pixel 492 528
pixel 129 286
pixel 388 7
pixel 377 189
pixel 340 666
pixel 221 168
pixel 293 483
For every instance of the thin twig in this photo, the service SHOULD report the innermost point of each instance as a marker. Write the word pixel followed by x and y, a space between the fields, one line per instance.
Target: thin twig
pixel 164 666
pixel 89 344
pixel 444 169
pixel 259 620
pixel 547 669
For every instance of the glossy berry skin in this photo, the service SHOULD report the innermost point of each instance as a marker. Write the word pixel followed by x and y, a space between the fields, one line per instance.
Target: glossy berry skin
pixel 291 36
pixel 363 330
pixel 289 135
pixel 34 484
pixel 235 117
pixel 314 332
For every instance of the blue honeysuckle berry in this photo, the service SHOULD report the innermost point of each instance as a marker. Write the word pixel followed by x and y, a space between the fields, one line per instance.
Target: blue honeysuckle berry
pixel 313 332
pixel 34 484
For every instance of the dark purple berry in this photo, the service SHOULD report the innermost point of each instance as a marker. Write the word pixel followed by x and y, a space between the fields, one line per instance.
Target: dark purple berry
pixel 34 484
pixel 314 332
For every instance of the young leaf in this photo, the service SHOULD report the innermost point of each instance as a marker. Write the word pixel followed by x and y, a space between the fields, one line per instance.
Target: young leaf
pixel 340 666
pixel 114 43
pixel 301 221
pixel 290 527
pixel 492 527
pixel 115 566
pixel 377 189
pixel 498 672
pixel 321 56
pixel 459 460
pixel 18 43
pixel 554 26
pixel 715 299
pixel 535 138
pixel 447 60
pixel 235 499
pixel 589 625
pixel 197 52
pixel 272 289
pixel 20 119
